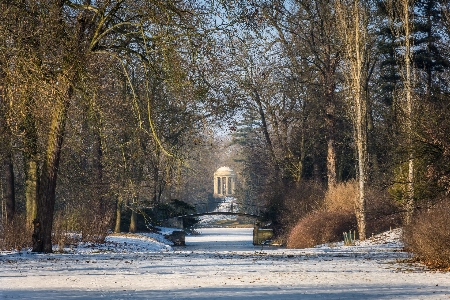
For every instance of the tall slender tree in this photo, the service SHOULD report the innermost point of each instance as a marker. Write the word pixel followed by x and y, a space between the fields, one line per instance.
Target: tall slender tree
pixel 353 24
pixel 403 10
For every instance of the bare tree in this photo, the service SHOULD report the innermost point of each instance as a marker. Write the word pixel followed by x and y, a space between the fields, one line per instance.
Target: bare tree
pixel 65 36
pixel 310 42
pixel 353 25
pixel 403 11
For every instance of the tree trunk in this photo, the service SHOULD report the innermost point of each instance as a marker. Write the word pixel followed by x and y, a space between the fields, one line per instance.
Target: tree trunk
pixel 42 236
pixel 409 109
pixel 352 16
pixel 10 199
pixel 31 191
pixel 133 221
pixel 6 155
pixel 331 163
pixel 118 215
pixel 361 130
pixel 266 134
pixel 31 162
pixel 98 173
pixel 331 149
pixel 404 10
pixel 361 152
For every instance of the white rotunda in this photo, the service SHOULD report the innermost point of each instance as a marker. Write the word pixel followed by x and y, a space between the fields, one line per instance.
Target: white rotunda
pixel 224 182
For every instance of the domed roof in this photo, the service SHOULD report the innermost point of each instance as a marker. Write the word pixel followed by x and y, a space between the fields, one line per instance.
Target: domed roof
pixel 224 171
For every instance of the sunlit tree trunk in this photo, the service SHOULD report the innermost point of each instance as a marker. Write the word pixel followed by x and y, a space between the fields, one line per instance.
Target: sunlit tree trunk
pixel 42 236
pixel 330 112
pixel 31 191
pixel 409 105
pixel 133 221
pixel 31 164
pixel 352 24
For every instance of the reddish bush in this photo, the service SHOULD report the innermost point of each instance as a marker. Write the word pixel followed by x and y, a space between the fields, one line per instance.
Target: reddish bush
pixel 428 236
pixel 321 227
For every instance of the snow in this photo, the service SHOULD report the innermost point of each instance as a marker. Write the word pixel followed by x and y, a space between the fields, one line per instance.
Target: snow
pixel 229 204
pixel 220 263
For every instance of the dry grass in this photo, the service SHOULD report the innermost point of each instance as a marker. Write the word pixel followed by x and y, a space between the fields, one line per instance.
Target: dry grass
pixel 321 227
pixel 428 236
pixel 15 235
pixel 342 197
pixel 382 212
pixel 69 228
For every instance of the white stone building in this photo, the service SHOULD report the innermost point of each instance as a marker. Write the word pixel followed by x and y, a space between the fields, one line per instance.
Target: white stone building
pixel 224 182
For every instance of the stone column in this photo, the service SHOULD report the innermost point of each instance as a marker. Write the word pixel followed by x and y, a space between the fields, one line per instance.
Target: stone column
pixel 224 185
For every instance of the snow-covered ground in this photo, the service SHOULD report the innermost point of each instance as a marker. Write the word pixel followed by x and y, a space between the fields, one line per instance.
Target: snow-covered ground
pixel 220 263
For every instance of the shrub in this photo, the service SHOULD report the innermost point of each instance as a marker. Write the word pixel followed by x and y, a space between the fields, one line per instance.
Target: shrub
pixel 15 235
pixel 428 236
pixel 80 224
pixel 298 201
pixel 337 215
pixel 382 211
pixel 321 227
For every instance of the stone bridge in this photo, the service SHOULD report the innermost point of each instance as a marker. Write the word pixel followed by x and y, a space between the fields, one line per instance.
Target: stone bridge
pixel 225 213
pixel 177 222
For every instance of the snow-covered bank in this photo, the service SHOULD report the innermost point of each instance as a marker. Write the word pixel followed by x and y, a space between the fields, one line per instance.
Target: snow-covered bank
pixel 223 265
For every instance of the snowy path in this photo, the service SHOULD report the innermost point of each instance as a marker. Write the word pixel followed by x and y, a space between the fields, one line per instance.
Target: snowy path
pixel 222 264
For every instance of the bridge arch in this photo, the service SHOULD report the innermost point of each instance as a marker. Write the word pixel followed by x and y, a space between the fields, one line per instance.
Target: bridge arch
pixel 219 213
pixel 177 221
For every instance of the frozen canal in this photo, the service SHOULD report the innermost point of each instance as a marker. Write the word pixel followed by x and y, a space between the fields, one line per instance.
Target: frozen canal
pixel 222 264
pixel 221 239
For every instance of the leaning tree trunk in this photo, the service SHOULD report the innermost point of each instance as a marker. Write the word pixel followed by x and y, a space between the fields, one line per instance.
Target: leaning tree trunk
pixel 267 135
pixel 42 236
